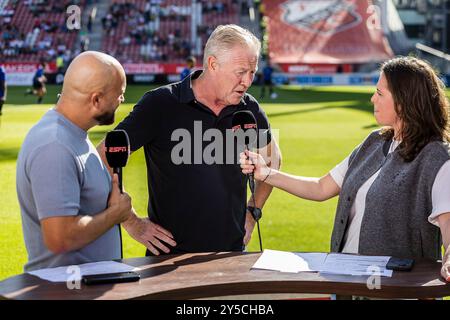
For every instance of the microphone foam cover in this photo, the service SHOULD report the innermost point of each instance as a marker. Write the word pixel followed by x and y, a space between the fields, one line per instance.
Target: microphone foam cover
pixel 117 148
pixel 245 120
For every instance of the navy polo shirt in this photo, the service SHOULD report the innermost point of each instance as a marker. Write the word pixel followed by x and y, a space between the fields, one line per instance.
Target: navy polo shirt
pixel 202 204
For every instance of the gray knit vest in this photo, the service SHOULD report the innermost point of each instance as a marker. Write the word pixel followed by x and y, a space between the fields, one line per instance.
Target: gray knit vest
pixel 395 221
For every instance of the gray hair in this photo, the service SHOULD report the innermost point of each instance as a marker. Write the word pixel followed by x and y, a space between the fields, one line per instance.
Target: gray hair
pixel 225 37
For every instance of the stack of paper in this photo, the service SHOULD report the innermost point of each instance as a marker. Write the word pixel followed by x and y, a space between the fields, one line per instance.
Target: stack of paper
pixel 333 263
pixel 74 273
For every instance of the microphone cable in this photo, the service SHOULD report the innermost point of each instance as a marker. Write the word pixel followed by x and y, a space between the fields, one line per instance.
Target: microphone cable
pixel 251 182
pixel 119 173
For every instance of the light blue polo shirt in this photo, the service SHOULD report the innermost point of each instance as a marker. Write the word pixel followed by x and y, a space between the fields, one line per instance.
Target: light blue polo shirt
pixel 59 173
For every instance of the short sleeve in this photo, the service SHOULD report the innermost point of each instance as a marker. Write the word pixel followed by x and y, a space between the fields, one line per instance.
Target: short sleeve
pixel 440 194
pixel 55 183
pixel 143 121
pixel 338 172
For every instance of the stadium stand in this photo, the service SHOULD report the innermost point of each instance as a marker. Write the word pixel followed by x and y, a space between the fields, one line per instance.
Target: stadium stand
pixel 133 31
pixel 145 31
pixel 35 30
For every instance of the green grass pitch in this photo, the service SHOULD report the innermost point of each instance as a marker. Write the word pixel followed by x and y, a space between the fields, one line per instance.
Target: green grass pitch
pixel 318 127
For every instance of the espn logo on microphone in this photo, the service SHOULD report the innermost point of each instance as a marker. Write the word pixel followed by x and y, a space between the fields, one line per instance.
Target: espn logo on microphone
pixel 116 149
pixel 246 126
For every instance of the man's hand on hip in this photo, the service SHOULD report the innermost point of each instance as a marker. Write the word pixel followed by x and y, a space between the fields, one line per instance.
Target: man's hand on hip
pixel 149 234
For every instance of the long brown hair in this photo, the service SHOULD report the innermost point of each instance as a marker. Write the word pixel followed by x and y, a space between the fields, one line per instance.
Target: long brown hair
pixel 420 103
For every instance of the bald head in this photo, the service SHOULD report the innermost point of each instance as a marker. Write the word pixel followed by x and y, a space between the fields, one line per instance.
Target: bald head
pixel 93 88
pixel 91 72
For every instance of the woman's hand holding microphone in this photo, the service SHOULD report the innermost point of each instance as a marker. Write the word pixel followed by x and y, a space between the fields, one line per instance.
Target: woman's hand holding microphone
pixel 254 163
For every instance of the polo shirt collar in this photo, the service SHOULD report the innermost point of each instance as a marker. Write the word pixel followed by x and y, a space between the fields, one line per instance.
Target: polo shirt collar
pixel 187 94
pixel 72 127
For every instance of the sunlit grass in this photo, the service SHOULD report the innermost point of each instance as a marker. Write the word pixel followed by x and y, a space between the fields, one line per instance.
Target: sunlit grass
pixel 318 128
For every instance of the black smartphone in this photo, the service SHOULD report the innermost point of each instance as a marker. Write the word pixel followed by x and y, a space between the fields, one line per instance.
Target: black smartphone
pixel 117 277
pixel 400 264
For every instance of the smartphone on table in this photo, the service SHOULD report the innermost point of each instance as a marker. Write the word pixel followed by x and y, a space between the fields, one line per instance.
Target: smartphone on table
pixel 117 277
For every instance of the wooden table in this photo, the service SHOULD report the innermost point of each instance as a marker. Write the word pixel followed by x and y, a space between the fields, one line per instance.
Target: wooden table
pixel 202 275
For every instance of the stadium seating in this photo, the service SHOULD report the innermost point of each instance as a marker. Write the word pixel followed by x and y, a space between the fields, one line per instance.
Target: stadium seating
pixel 35 30
pixel 143 31
pixel 165 37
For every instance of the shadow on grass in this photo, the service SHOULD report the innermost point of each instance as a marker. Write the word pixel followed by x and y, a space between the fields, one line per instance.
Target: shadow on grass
pixel 288 95
pixel 371 126
pixel 366 107
pixel 311 95
pixel 9 154
pixel 16 95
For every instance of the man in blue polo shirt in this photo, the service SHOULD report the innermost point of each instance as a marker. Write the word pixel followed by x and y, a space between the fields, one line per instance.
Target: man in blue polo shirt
pixel 198 205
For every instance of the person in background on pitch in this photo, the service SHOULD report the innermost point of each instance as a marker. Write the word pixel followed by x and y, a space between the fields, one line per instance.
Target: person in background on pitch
pixel 2 88
pixel 190 64
pixel 394 188
pixel 267 81
pixel 199 207
pixel 70 208
pixel 39 81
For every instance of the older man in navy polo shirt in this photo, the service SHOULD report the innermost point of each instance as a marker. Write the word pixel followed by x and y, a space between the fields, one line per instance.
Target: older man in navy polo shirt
pixel 198 204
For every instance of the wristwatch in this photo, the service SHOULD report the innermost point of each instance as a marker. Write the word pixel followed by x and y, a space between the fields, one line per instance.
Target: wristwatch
pixel 256 212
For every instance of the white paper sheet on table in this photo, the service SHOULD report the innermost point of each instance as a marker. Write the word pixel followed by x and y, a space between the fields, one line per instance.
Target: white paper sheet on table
pixel 356 265
pixel 290 262
pixel 64 274
pixel 332 263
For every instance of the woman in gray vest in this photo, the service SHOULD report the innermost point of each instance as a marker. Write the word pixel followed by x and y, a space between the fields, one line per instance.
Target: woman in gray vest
pixel 394 188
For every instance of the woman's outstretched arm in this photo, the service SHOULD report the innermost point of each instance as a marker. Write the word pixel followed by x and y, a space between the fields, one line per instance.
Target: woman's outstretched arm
pixel 317 189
